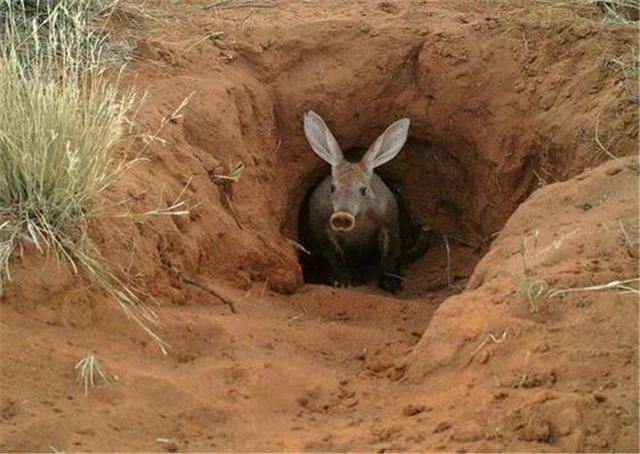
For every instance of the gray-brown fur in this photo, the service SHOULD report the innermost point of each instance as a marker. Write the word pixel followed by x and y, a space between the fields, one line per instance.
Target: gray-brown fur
pixel 352 211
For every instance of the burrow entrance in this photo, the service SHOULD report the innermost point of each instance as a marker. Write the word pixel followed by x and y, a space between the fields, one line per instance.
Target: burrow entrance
pixel 440 245
pixel 478 145
pixel 472 157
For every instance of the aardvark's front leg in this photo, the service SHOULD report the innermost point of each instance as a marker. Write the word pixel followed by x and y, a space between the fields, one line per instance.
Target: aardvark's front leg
pixel 390 252
pixel 335 256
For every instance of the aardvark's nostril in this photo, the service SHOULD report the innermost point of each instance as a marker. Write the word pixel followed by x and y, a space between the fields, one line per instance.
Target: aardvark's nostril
pixel 342 221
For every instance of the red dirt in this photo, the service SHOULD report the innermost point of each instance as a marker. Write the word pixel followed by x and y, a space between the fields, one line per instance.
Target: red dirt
pixel 504 98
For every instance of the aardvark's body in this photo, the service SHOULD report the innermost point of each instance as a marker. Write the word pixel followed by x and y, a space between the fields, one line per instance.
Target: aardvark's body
pixel 353 211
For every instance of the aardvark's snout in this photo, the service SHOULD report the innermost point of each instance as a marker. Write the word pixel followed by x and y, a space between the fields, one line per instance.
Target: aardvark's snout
pixel 342 222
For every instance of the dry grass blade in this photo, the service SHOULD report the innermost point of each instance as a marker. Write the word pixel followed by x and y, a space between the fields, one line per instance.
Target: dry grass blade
pixel 613 11
pixel 623 286
pixel 619 11
pixel 209 289
pixel 298 246
pixel 531 291
pixel 179 207
pixel 599 142
pixel 89 372
pixel 176 114
pixel 488 337
pixel 235 171
pixel 448 270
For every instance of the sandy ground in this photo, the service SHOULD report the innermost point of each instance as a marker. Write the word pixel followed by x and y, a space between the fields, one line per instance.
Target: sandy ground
pixel 505 100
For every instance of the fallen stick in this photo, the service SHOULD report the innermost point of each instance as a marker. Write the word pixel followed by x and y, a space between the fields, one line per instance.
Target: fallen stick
pixel 198 283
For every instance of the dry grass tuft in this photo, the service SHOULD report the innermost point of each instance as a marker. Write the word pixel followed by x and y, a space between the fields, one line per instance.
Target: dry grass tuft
pixel 89 372
pixel 613 11
pixel 619 11
pixel 531 290
pixel 60 123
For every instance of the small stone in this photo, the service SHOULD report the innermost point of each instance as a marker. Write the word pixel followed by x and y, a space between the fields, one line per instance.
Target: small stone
pixel 412 409
pixel 499 395
pixel 537 429
pixel 543 348
pixel 599 397
pixel 396 374
pixel 364 27
pixel 378 366
pixel 442 426
pixel 574 442
pixel 569 421
pixel 593 429
pixel 602 443
pixel 468 431
pixel 351 402
pixel 170 446
pixel 483 357
pixel 547 101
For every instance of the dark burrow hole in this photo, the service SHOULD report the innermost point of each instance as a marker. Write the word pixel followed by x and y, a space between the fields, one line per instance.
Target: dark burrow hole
pixel 434 257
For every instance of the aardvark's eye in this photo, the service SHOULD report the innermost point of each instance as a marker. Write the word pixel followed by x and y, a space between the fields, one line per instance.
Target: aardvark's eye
pixel 363 190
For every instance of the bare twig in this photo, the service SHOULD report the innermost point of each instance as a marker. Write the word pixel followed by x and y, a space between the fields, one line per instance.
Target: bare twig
pixel 298 246
pixel 224 4
pixel 524 40
pixel 264 288
pixel 215 4
pixel 597 137
pixel 448 270
pixel 207 288
pixel 248 5
pixel 204 38
pixel 225 183
pixel 624 232
pixel 541 181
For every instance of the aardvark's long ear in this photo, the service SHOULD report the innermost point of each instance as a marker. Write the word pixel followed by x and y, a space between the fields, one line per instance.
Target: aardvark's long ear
pixel 388 145
pixel 321 139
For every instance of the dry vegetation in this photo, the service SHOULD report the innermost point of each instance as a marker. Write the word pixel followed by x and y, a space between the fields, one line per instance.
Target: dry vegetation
pixel 60 123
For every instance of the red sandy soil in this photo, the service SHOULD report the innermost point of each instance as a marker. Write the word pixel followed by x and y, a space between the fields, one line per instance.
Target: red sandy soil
pixel 504 99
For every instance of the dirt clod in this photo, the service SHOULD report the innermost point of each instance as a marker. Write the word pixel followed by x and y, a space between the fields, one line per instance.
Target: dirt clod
pixel 537 429
pixel 468 431
pixel 413 409
pixel 442 426
pixel 600 397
